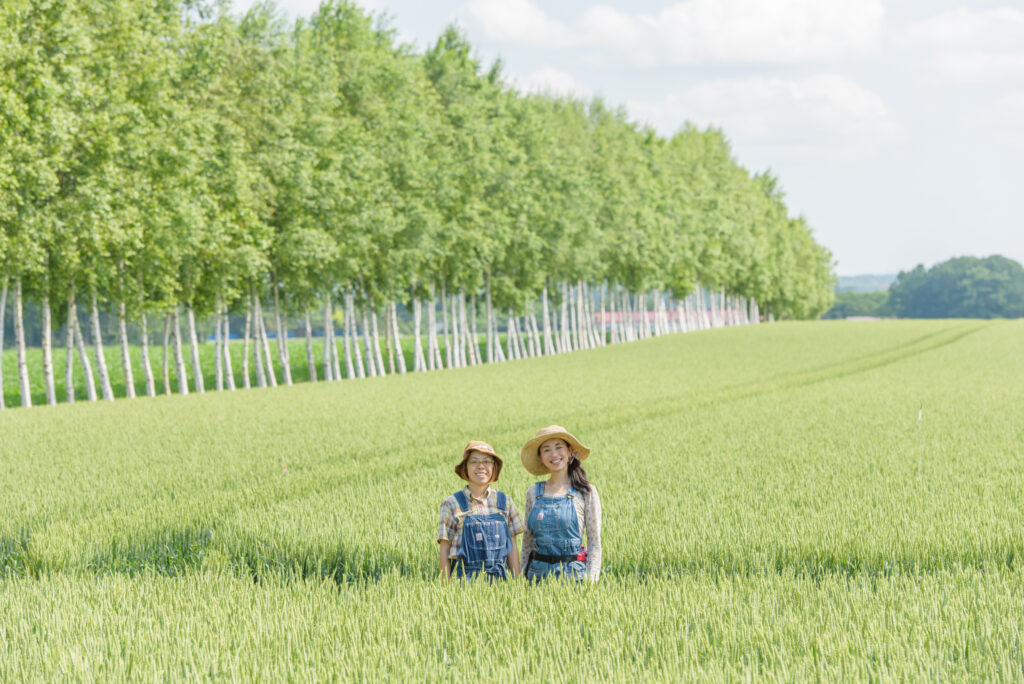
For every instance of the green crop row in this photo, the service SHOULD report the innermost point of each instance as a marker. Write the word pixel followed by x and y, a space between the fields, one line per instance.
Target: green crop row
pixel 828 500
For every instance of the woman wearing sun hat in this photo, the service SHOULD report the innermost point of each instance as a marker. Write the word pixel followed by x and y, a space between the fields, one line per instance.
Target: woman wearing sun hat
pixel 561 510
pixel 478 523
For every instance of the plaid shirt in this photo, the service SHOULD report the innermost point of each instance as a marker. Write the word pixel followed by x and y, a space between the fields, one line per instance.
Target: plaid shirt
pixel 450 527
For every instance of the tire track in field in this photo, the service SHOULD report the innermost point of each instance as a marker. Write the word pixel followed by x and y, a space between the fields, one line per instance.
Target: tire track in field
pixel 665 407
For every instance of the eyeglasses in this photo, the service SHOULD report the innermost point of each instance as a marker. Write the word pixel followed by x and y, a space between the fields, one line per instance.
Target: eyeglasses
pixel 473 463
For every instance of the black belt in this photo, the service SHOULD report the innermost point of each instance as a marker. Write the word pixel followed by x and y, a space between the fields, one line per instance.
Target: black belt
pixel 552 559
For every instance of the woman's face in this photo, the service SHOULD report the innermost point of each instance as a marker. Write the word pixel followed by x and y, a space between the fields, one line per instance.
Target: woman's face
pixel 554 454
pixel 480 467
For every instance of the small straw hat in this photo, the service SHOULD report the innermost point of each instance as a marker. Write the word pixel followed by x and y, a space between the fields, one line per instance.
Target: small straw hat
pixel 483 448
pixel 531 457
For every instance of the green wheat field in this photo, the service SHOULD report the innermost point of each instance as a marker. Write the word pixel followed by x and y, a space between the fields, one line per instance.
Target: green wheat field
pixel 827 501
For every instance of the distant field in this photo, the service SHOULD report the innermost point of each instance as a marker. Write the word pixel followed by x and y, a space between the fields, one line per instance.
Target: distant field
pixel 828 500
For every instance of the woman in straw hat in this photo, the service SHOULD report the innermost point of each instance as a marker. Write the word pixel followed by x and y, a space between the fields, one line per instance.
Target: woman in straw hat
pixel 561 510
pixel 478 523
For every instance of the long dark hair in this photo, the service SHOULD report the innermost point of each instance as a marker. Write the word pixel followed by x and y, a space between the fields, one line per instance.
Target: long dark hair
pixel 578 476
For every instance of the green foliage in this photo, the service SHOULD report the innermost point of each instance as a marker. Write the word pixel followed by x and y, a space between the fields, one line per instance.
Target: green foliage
pixel 859 304
pixel 831 511
pixel 964 287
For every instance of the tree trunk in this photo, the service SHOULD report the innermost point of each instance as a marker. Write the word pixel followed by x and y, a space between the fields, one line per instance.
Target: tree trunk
pixel 433 349
pixel 371 364
pixel 126 359
pixel 444 327
pixel 335 363
pixel 193 343
pixel 229 371
pixel 492 331
pixel 419 361
pixel 398 339
pixel 389 342
pixel 179 358
pixel 310 362
pixel 465 346
pixel 458 343
pixel 282 339
pixel 328 327
pixel 511 348
pixel 69 355
pixel 218 357
pixel 350 338
pixel 535 342
pixel 83 358
pixel 3 323
pixel 264 341
pixel 167 365
pixel 378 353
pixel 246 380
pixel 147 367
pixel 47 345
pixel 101 359
pixel 549 347
pixel 474 338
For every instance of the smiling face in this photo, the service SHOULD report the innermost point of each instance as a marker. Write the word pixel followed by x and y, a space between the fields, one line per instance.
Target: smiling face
pixel 554 454
pixel 480 468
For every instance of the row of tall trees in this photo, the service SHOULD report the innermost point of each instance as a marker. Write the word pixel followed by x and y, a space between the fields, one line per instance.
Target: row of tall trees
pixel 165 161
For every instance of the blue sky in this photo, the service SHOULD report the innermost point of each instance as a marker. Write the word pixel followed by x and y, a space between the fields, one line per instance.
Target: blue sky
pixel 896 127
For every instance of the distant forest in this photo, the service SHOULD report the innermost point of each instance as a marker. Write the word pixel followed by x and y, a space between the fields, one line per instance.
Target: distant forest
pixel 964 287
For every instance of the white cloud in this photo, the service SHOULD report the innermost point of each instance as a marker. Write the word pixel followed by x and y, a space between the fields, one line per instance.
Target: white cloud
pixel 826 109
pixel 520 22
pixel 547 79
pixel 698 31
pixel 973 46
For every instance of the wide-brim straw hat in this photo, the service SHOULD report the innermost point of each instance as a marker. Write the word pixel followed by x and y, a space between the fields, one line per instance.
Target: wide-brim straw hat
pixel 530 452
pixel 483 448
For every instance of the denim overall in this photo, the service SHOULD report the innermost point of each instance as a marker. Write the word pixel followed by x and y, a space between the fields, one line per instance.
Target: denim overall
pixel 486 541
pixel 556 537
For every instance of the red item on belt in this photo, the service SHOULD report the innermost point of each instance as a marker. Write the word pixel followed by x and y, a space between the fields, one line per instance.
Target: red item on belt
pixel 582 555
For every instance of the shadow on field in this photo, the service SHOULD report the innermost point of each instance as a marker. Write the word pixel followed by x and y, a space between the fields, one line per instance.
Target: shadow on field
pixel 14 556
pixel 172 553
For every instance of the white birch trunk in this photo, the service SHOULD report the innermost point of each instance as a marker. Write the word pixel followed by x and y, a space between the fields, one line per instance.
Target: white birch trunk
pixel 335 361
pixel 563 324
pixel 433 354
pixel 535 343
pixel 351 339
pixel 419 361
pixel 126 359
pixel 179 358
pixel 310 361
pixel 261 326
pixel 83 358
pixel 246 379
pixel 281 331
pixel 389 342
pixel 549 346
pixel 69 355
pixel 229 371
pixel 491 328
pixel 101 359
pixel 474 339
pixel 398 339
pixel 3 317
pixel 464 344
pixel 613 327
pixel 378 354
pixel 603 323
pixel 47 344
pixel 147 367
pixel 511 349
pixel 193 343
pixel 445 328
pixel 328 328
pixel 167 364
pixel 458 344
pixel 499 352
pixel 371 365
pixel 218 354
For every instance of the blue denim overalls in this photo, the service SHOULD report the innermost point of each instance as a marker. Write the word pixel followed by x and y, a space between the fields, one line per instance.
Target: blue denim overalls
pixel 556 537
pixel 486 541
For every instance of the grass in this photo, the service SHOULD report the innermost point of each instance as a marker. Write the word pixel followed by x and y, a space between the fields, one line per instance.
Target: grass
pixel 804 500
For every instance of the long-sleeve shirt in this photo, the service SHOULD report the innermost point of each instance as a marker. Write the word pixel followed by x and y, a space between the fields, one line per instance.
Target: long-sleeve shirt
pixel 588 515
